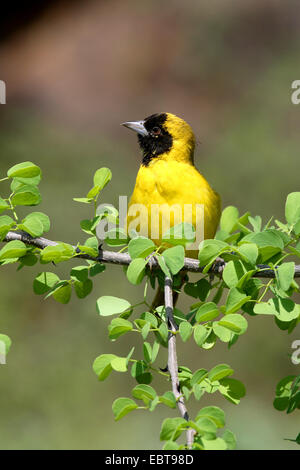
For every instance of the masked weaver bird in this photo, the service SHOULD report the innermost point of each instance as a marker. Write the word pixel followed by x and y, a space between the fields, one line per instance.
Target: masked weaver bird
pixel 168 179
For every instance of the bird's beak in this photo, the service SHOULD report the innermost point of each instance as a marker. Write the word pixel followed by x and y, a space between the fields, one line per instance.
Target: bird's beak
pixel 137 126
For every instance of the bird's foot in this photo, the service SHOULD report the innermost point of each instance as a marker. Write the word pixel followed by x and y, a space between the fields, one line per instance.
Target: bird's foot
pixel 217 268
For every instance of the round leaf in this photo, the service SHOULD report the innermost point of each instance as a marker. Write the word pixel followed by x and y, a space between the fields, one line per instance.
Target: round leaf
pixel 24 170
pixel 136 270
pixel 109 305
pixel 123 406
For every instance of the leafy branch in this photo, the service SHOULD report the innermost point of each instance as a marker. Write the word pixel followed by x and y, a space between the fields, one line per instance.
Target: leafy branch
pixel 255 279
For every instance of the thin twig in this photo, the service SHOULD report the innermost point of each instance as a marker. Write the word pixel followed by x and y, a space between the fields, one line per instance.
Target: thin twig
pixel 172 358
pixel 112 257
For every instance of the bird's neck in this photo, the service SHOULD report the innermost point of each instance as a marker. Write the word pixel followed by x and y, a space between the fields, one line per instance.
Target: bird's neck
pixel 180 152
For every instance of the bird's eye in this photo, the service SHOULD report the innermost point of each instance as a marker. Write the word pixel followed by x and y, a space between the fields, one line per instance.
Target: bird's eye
pixel 156 130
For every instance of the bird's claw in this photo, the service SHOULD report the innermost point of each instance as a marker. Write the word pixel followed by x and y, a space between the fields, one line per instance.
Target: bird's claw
pixel 217 268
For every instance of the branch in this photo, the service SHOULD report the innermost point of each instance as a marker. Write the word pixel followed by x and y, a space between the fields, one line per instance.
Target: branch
pixel 113 257
pixel 172 358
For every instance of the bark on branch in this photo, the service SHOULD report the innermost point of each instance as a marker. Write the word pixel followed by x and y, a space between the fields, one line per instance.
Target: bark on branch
pixel 172 358
pixel 112 257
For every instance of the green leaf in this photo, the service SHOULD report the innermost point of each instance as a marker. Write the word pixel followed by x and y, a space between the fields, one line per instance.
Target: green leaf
pixel 44 282
pixel 140 247
pixel 232 389
pixel 210 341
pixel 185 330
pixel 284 309
pixel 118 327
pixel 200 334
pixel 89 226
pixel 233 272
pixel 168 399
pixel 214 413
pixel 116 237
pixel 284 392
pixel 256 223
pixel 163 332
pixel 269 243
pixel 171 445
pixel 207 312
pixel 102 177
pixel 171 428
pixel 109 305
pixel 163 266
pixel 6 223
pixel 13 249
pixel 3 205
pixel 145 330
pixel 43 219
pixel 249 252
pixel 297 228
pixel 219 372
pixel 229 219
pixel 144 392
pixel 57 253
pixel 222 333
pixel 80 273
pixel 123 406
pixel 83 288
pixel 33 226
pixel 26 196
pixel 292 208
pixel 93 192
pixel 198 376
pixel 24 170
pixel 97 268
pixel 180 234
pixel 16 183
pixel 199 289
pixel 5 344
pixel 205 425
pixel 234 322
pixel 141 373
pixel 230 439
pixel 198 391
pixel 28 260
pixel 209 250
pixel 285 275
pixel 174 258
pixel 63 294
pixel 102 365
pixel 147 349
pixel 136 270
pixel 119 364
pixel 150 318
pixel 214 444
pixel 235 300
pixel 155 350
pixel 85 200
pixel 90 247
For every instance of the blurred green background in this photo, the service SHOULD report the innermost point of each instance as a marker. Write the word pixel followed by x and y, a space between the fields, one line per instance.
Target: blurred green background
pixel 74 71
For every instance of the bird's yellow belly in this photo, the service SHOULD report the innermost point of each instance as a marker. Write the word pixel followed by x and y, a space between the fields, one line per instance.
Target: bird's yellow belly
pixel 167 194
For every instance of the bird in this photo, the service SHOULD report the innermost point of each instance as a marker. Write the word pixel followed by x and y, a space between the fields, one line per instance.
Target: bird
pixel 168 179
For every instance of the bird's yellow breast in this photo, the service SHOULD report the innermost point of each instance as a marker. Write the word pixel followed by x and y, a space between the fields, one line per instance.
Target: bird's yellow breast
pixel 169 186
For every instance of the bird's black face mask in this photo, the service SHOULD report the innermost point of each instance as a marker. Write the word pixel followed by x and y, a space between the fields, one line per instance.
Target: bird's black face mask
pixel 153 137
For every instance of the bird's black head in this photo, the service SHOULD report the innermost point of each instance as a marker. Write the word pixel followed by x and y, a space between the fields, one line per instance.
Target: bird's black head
pixel 153 136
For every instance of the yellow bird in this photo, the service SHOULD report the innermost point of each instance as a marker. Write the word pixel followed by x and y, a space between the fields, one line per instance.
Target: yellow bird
pixel 168 181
